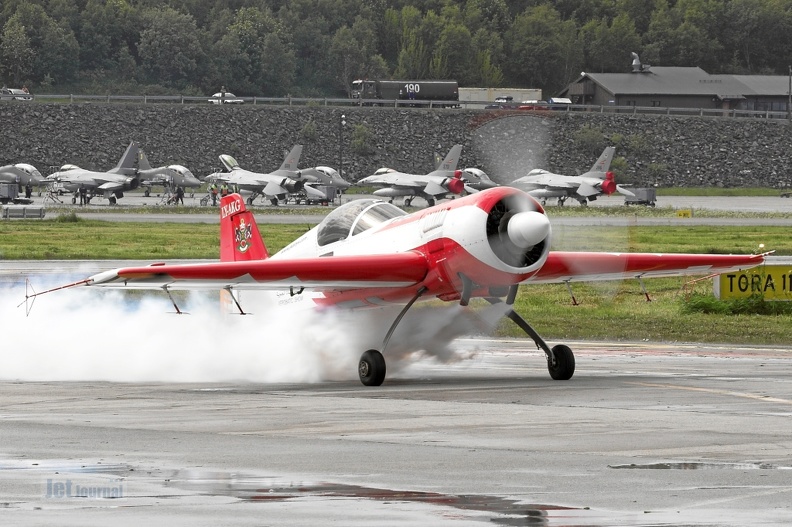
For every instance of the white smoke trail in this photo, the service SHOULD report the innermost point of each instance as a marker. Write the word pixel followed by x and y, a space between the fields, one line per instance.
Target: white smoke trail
pixel 85 334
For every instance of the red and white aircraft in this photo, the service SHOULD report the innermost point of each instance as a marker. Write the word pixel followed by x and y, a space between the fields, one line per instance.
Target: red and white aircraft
pixel 369 253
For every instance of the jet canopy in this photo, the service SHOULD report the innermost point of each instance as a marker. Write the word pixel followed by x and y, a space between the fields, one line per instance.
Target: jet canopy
pixel 353 218
pixel 30 170
pixel 229 162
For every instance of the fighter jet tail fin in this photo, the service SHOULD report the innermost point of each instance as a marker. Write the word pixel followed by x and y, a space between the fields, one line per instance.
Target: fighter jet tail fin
pixel 142 160
pixel 128 160
pixel 240 238
pixel 451 160
pixel 603 163
pixel 292 159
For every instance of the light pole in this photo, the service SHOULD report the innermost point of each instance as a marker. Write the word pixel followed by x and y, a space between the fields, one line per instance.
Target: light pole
pixel 789 94
pixel 341 125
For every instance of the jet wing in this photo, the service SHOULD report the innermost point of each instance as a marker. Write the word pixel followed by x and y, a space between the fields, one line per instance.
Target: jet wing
pixel 589 266
pixel 322 273
pixel 111 185
pixel 434 189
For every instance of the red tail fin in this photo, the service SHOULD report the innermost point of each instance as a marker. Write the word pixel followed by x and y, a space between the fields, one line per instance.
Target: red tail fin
pixel 240 238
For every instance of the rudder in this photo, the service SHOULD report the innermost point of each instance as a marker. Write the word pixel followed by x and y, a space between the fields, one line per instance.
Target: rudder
pixel 240 239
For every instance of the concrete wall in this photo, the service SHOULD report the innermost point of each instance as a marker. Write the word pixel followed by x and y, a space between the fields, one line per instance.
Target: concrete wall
pixel 662 150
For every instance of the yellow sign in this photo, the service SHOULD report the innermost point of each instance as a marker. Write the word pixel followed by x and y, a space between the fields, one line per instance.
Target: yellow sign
pixel 684 213
pixel 772 282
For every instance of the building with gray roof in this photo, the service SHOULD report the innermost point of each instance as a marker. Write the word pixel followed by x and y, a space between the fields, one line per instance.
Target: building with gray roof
pixel 681 87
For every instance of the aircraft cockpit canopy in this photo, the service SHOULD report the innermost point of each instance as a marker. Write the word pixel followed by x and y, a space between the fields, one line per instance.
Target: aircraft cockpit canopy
pixel 29 169
pixel 229 162
pixel 353 218
pixel 182 170
pixel 65 168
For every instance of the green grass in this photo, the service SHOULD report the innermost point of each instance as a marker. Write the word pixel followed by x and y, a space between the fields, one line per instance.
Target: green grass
pixel 715 191
pixel 610 310
pixel 619 311
pixel 63 238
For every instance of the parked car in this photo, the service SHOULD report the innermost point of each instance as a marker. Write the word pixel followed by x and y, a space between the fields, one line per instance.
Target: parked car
pixel 503 102
pixel 225 98
pixel 14 94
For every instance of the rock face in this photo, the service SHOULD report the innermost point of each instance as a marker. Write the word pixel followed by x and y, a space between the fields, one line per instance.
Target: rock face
pixel 654 150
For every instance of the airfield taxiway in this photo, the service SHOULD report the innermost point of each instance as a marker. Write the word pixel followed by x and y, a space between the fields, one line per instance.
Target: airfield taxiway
pixel 644 434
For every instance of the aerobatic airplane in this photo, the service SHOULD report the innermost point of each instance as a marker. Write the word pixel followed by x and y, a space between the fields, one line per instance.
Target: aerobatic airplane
pixel 368 253
pixel 446 179
pixel 542 184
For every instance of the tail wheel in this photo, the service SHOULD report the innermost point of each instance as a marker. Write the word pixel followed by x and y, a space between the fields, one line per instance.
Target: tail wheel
pixel 371 368
pixel 564 366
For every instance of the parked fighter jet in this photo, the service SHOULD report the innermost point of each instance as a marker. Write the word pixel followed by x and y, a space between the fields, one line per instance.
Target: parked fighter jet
pixel 170 176
pixel 368 254
pixel 599 180
pixel 275 185
pixel 446 179
pixel 323 183
pixel 21 173
pixel 477 180
pixel 111 183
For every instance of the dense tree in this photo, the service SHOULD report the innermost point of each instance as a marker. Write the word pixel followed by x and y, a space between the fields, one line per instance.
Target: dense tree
pixel 35 47
pixel 317 47
pixel 16 54
pixel 537 44
pixel 169 48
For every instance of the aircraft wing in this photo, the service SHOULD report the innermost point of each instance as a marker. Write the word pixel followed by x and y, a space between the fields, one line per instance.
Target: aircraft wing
pixel 111 185
pixel 564 266
pixel 322 273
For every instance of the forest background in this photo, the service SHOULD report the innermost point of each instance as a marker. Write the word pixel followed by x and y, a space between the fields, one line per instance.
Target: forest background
pixel 316 48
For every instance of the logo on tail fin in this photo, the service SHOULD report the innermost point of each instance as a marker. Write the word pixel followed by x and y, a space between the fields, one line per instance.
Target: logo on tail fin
pixel 242 234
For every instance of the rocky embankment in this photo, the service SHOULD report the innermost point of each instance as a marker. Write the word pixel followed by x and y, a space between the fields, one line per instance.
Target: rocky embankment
pixel 656 150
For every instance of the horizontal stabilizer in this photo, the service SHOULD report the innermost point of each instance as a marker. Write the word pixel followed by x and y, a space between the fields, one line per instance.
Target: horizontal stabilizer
pixel 587 190
pixel 433 189
pixel 624 191
pixel 273 189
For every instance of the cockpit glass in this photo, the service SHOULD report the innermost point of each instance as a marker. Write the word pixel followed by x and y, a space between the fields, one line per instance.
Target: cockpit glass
pixel 360 215
pixel 379 213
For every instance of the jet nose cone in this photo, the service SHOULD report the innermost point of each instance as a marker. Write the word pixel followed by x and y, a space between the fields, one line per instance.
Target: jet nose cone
pixel 527 229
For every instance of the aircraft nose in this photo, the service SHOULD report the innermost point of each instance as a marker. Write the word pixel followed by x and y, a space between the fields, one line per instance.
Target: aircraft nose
pixel 527 229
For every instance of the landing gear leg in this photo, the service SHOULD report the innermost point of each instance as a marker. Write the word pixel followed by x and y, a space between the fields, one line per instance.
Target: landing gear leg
pixel 252 198
pixel 560 359
pixel 371 368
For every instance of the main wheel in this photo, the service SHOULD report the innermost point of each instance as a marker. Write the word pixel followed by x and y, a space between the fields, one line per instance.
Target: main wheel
pixel 564 366
pixel 371 368
pixel 112 200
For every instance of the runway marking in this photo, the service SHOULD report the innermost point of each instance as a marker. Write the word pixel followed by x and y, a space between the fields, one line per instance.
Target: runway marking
pixel 763 398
